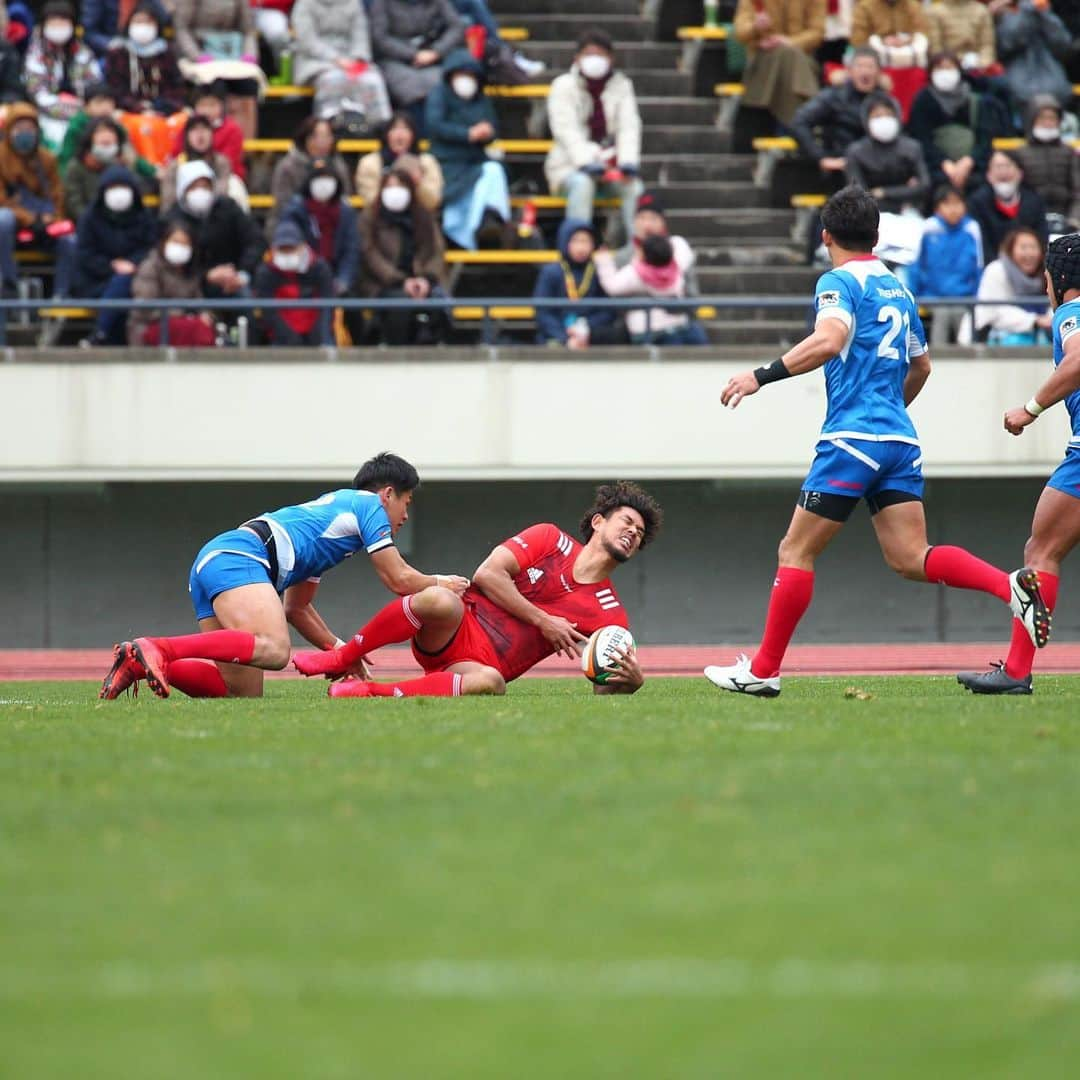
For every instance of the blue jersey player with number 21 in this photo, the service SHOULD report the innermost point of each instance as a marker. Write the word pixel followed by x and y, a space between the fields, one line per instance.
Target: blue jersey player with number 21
pixel 870 340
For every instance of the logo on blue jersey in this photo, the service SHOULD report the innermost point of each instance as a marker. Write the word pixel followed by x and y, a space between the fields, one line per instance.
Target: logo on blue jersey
pixel 1068 325
pixel 828 299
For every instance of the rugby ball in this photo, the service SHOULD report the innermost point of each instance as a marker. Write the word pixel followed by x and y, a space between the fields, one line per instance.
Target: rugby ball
pixel 603 647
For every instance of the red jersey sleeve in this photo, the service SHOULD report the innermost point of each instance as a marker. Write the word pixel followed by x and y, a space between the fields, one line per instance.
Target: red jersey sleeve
pixel 532 544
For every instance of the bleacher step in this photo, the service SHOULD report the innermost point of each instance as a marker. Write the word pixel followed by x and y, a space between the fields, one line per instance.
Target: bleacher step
pixel 751 280
pixel 700 168
pixel 685 111
pixel 671 139
pixel 631 56
pixel 734 222
pixel 748 251
pixel 522 12
pixel 564 27
pixel 694 196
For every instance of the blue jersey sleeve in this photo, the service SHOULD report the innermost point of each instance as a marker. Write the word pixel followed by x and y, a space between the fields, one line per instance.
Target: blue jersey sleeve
pixel 916 334
pixel 1066 325
pixel 375 530
pixel 833 298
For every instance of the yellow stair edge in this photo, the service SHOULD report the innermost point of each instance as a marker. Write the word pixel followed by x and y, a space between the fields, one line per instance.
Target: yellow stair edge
pixel 528 90
pixel 66 313
pixel 508 311
pixel 702 33
pixel 775 142
pixel 365 146
pixel 513 33
pixel 729 89
pixel 808 201
pixel 498 257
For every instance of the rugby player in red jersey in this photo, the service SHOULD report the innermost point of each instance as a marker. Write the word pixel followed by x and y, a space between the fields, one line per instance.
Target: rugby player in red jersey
pixel 537 594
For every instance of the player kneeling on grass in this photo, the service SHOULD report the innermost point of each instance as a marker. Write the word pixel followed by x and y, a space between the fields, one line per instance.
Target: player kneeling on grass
pixel 869 338
pixel 537 594
pixel 239 577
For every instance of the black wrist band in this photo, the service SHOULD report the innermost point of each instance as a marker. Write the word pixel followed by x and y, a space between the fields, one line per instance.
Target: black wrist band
pixel 773 373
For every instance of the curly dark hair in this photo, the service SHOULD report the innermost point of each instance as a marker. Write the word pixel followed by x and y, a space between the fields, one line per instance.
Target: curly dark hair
pixel 608 499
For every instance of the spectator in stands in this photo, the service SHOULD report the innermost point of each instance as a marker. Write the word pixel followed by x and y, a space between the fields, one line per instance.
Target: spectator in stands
pixel 826 126
pixel 141 67
pixel 411 39
pixel 1068 11
pixel 894 29
pixel 228 244
pixel 477 13
pixel 1005 202
pixel 462 124
pixel 115 233
pixel 272 25
pixel 216 41
pixel 32 200
pixel 955 125
pixel 651 220
pixel 58 71
pixel 198 145
pixel 101 150
pixel 170 272
pixel 313 142
pixel 949 264
pixel 573 278
pixel 322 212
pixel 400 140
pixel 100 101
pixel 780 39
pixel 1032 42
pixel 333 54
pixel 1050 166
pixel 11 64
pixel 596 127
pixel 965 29
pixel 838 19
pixel 888 164
pixel 102 23
pixel 403 257
pixel 1018 273
pixel 660 272
pixel 292 270
pixel 228 138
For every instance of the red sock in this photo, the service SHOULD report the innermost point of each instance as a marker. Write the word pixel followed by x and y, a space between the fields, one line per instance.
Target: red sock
pixel 396 622
pixel 441 684
pixel 229 646
pixel 791 594
pixel 1022 648
pixel 946 565
pixel 197 678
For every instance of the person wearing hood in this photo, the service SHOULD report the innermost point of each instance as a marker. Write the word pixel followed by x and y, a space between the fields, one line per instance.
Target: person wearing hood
pixel 198 145
pixel 313 142
pixel 1005 202
pixel 228 244
pixel 1017 274
pixel 1050 166
pixel 32 200
pixel 410 40
pixel 333 54
pixel 102 147
pixel 461 122
pixel 400 139
pixel 573 278
pixel 114 235
pixel 596 132
pixel 886 163
pixel 141 67
pixel 403 256
pixel 293 270
pixel 58 71
pixel 323 214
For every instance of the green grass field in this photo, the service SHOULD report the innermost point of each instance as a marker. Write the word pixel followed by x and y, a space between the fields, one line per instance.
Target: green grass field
pixel 546 885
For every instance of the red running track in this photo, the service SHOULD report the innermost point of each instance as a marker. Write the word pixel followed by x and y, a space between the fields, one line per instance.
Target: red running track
pixel 937 659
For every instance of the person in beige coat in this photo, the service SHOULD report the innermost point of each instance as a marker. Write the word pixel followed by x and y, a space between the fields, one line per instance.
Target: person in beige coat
pixel 596 129
pixel 780 37
pixel 894 29
pixel 399 142
pixel 965 28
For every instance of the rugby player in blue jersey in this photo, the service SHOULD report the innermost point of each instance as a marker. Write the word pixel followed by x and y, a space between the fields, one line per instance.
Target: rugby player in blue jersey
pixel 1055 530
pixel 240 578
pixel 870 340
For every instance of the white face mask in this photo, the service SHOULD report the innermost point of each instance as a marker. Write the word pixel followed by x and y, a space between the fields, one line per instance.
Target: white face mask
pixel 323 188
pixel 1006 189
pixel 396 199
pixel 884 128
pixel 1046 134
pixel 142 33
pixel 594 66
pixel 176 253
pixel 198 201
pixel 58 33
pixel 946 79
pixel 465 86
pixel 119 199
pixel 288 262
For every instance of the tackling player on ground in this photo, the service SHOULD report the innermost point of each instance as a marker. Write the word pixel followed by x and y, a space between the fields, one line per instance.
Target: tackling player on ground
pixel 238 579
pixel 1055 529
pixel 537 594
pixel 869 338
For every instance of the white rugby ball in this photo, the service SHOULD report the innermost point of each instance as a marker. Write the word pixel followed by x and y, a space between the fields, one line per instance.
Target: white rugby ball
pixel 603 647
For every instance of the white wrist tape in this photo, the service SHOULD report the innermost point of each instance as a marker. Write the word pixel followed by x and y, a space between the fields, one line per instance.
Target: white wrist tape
pixel 1034 407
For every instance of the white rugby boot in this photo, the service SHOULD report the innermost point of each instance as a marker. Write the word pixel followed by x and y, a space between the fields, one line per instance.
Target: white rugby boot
pixel 739 679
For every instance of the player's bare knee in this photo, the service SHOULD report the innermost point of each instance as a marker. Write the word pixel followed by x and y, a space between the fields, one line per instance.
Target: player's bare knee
pixel 272 653
pixel 485 681
pixel 438 604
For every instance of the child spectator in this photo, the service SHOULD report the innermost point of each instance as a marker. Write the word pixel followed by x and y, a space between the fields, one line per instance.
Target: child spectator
pixel 949 264
pixel 596 128
pixel 100 102
pixel 651 220
pixel 59 70
pixel 399 140
pixel 141 67
pixel 313 142
pixel 1051 167
pixel 209 102
pixel 411 38
pixel 659 272
pixel 197 145
pixel 333 54
pixel 32 200
pixel 329 224
pixel 291 270
pixel 402 256
pixel 115 233
pixel 889 165
pixel 461 122
pixel 1032 42
pixel 1018 274
pixel 573 278
pixel 1005 202
pixel 101 149
pixel 169 272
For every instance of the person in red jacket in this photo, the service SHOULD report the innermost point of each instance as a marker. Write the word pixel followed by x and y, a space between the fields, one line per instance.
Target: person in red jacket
pixel 209 101
pixel 293 270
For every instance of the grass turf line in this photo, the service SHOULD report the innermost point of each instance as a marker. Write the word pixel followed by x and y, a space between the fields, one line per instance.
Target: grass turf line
pixel 682 883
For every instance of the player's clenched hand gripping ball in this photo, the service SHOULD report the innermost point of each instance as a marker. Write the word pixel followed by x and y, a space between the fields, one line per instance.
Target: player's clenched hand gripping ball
pixel 602 649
